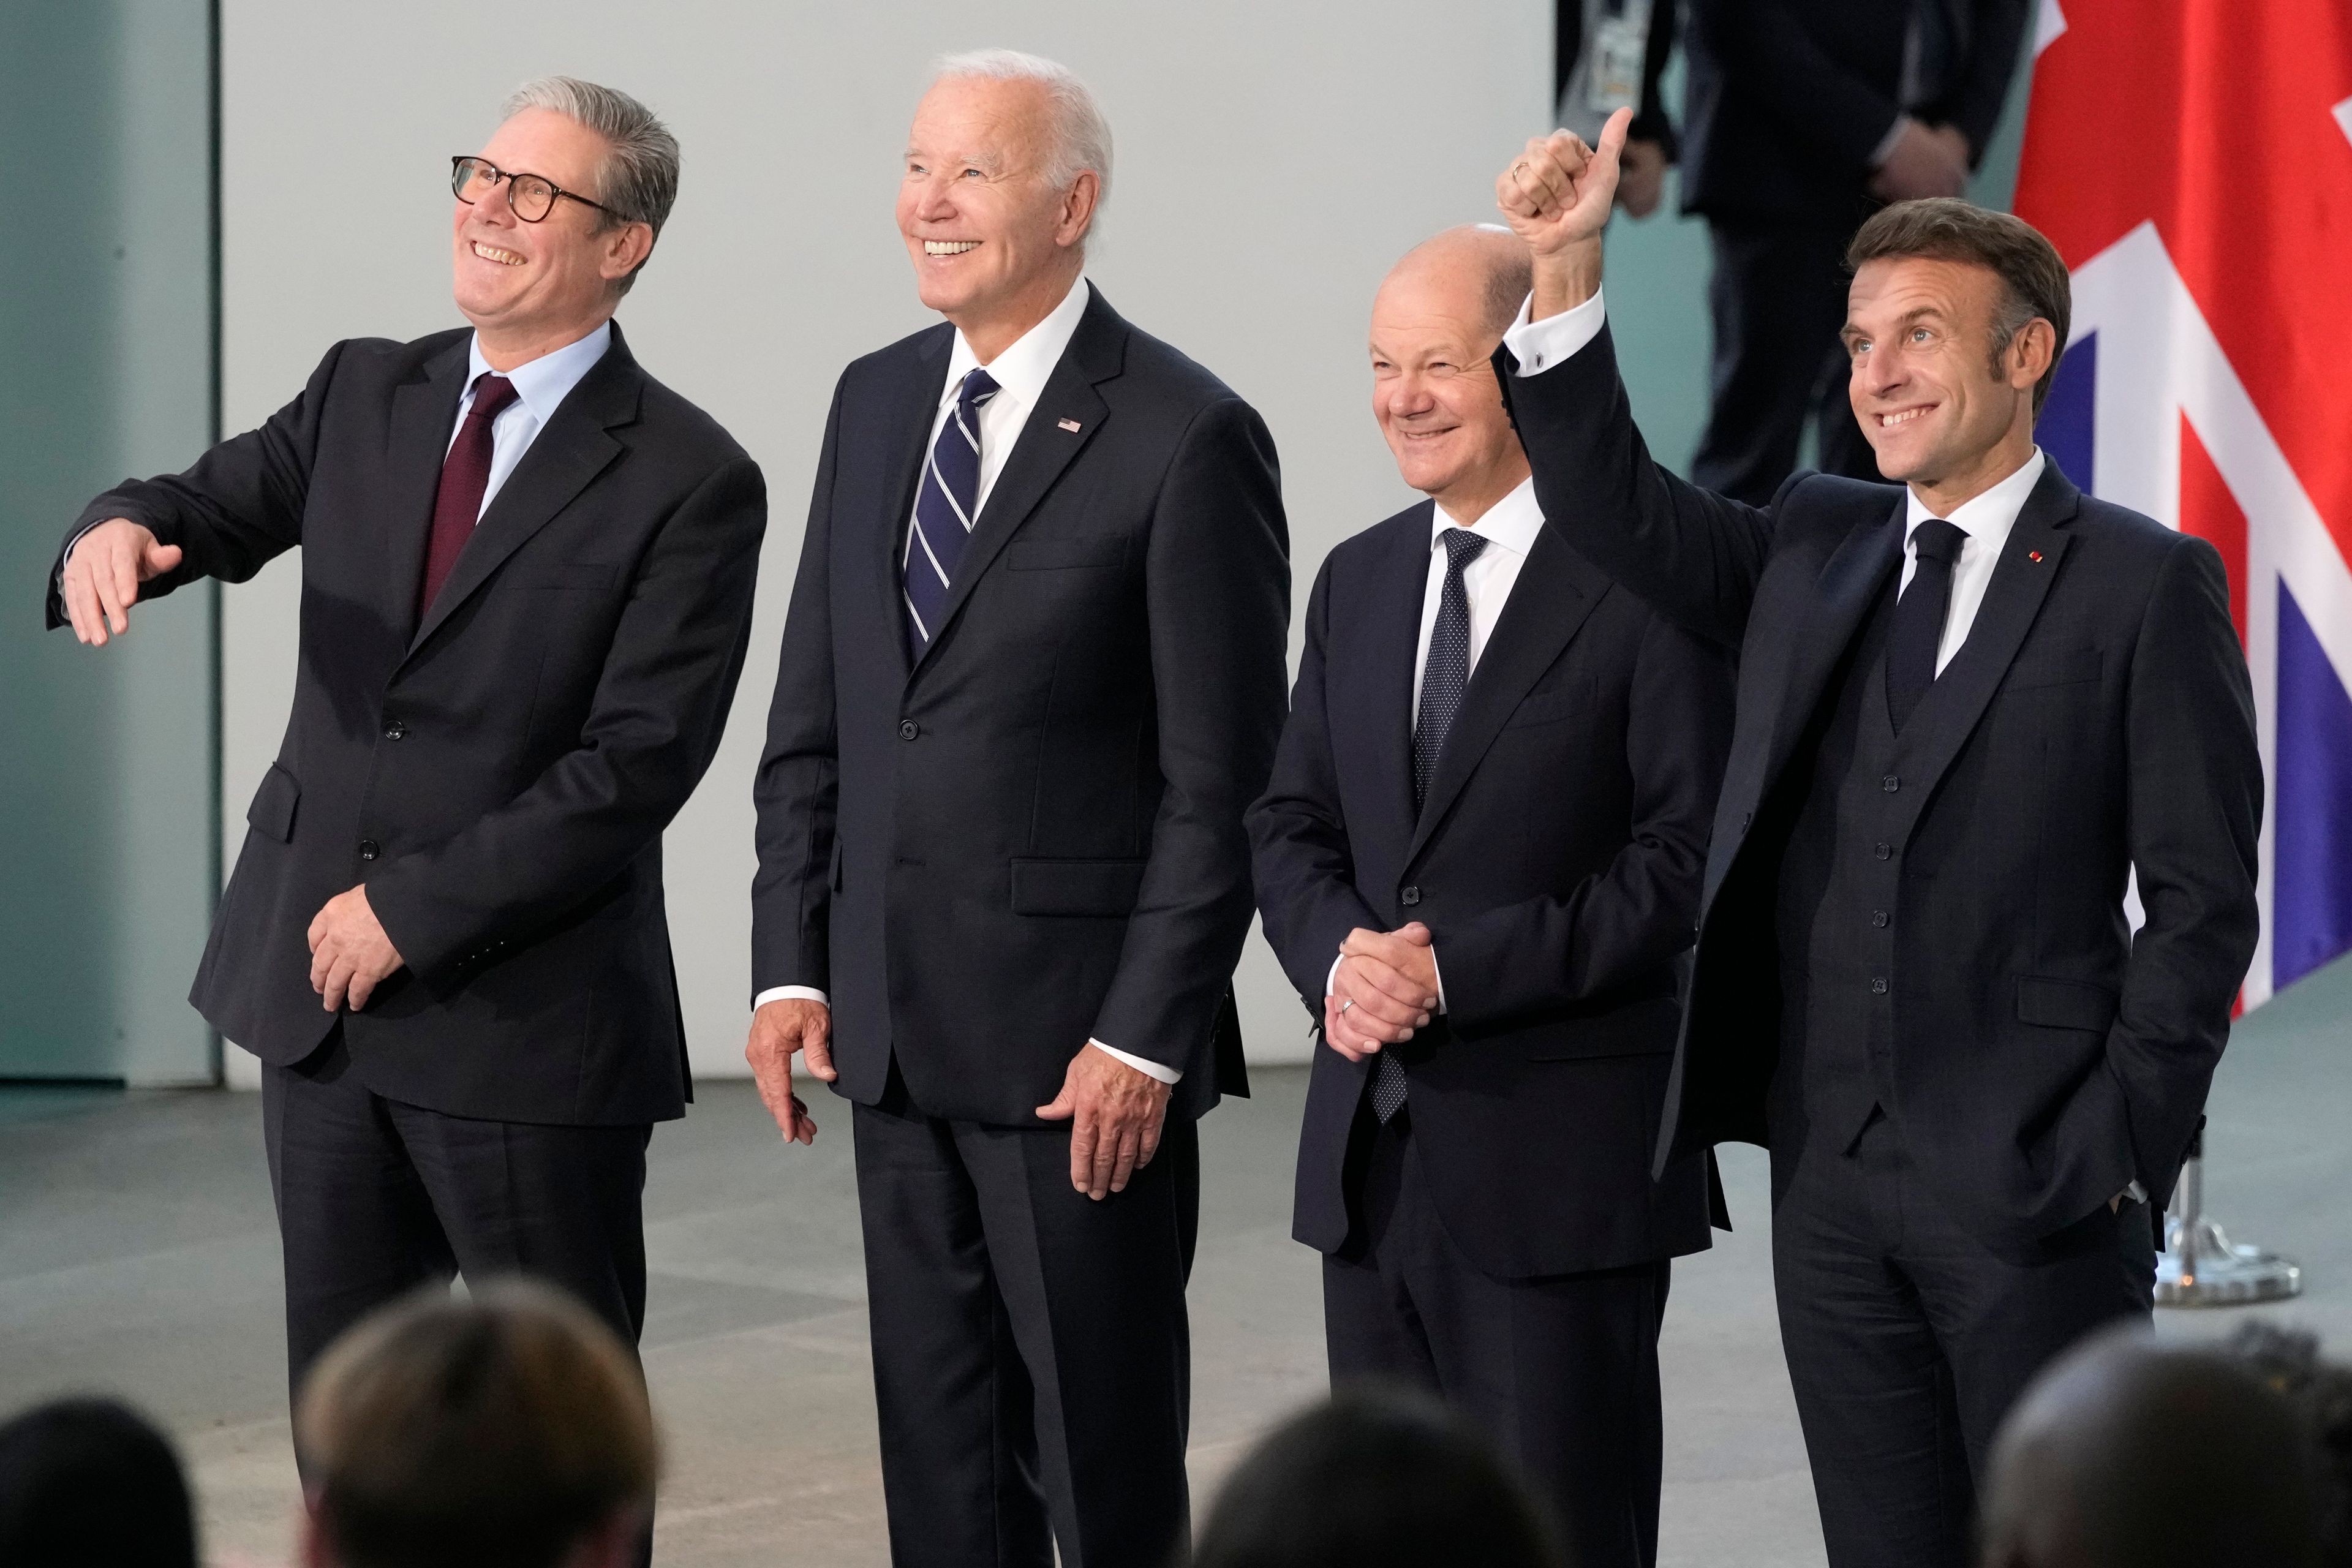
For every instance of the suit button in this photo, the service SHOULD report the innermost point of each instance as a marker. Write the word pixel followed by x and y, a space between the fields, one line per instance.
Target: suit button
pixel 1882 850
pixel 370 850
pixel 1878 918
pixel 908 728
pixel 394 728
pixel 1410 896
pixel 1890 784
pixel 1878 988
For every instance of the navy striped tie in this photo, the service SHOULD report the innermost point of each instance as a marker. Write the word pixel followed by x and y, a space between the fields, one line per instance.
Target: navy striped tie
pixel 945 503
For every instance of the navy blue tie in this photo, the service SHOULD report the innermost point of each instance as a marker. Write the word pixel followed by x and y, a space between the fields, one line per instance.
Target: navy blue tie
pixel 1444 680
pixel 946 504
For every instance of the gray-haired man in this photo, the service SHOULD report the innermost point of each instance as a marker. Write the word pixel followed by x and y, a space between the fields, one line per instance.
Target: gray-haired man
pixel 527 572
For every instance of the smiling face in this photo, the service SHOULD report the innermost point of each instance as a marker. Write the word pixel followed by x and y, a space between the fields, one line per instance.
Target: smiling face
pixel 995 246
pixel 1943 414
pixel 1433 389
pixel 529 288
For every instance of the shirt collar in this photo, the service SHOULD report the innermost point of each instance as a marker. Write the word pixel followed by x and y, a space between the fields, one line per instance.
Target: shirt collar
pixel 1025 367
pixel 1512 523
pixel 1992 513
pixel 541 384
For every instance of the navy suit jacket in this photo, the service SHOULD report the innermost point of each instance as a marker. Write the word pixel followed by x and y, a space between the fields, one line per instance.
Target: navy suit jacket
pixel 1031 836
pixel 499 775
pixel 1556 862
pixel 2098 722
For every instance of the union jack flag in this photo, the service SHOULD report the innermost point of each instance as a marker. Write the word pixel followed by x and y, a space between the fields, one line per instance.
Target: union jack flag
pixel 2192 162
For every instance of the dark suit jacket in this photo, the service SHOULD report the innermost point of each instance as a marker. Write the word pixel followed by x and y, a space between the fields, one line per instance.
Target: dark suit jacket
pixel 500 776
pixel 1033 836
pixel 1555 863
pixel 2098 719
pixel 1786 99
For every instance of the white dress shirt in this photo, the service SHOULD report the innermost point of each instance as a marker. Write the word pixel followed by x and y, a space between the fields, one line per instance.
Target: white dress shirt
pixel 541 386
pixel 1986 518
pixel 1509 527
pixel 1021 373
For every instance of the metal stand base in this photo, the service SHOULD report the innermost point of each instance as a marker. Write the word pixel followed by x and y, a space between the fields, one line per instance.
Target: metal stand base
pixel 2200 1267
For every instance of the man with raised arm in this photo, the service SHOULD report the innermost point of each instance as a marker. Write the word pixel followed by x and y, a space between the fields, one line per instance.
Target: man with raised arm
pixel 527 571
pixel 1031 676
pixel 1973 705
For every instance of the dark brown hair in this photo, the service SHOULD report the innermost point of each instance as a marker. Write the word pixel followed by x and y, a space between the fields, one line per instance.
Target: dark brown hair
pixel 2034 282
pixel 496 1431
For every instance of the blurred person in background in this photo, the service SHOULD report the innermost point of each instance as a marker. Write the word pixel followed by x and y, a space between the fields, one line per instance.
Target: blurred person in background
pixel 90 1483
pixel 527 572
pixel 1031 676
pixel 1375 1479
pixel 1799 118
pixel 508 1430
pixel 1609 55
pixel 2320 1389
pixel 2131 1454
pixel 1477 860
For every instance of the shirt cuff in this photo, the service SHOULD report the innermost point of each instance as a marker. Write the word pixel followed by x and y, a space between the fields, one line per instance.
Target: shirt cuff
pixel 2136 1193
pixel 790 993
pixel 1148 1069
pixel 1539 345
pixel 1885 148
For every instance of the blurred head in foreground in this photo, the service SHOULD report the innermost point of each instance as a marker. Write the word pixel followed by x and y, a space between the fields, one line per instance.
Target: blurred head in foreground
pixel 2131 1454
pixel 2320 1391
pixel 1370 1481
pixel 509 1430
pixel 88 1482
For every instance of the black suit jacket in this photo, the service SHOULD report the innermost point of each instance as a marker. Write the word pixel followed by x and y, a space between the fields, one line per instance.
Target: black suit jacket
pixel 2098 720
pixel 1786 99
pixel 1033 836
pixel 1557 864
pixel 498 776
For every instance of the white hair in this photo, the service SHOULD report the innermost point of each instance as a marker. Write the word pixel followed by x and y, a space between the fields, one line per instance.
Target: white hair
pixel 1080 136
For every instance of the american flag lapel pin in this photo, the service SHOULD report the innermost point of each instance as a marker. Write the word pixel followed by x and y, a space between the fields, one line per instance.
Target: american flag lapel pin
pixel 1071 426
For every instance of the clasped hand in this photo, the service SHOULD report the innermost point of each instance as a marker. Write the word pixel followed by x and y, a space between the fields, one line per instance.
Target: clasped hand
pixel 349 953
pixel 1385 988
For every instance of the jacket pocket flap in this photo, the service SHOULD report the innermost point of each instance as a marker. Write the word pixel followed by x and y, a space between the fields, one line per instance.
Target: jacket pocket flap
pixel 272 811
pixel 1552 707
pixel 1050 554
pixel 2064 1004
pixel 2063 670
pixel 1077 887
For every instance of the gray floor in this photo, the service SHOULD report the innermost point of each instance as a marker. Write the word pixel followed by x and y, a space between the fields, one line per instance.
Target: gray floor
pixel 137 1255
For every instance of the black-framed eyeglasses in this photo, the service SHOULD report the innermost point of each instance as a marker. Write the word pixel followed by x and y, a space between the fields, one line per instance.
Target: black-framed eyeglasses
pixel 532 197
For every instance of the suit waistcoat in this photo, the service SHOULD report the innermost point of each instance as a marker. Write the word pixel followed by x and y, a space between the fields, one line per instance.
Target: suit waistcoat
pixel 1837 905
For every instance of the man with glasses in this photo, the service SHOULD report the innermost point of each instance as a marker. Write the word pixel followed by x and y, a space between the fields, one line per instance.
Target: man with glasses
pixel 527 572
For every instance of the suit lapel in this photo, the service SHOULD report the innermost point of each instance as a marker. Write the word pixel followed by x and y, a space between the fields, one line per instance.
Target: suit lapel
pixel 424 414
pixel 1392 623
pixel 1556 591
pixel 1947 714
pixel 914 403
pixel 1069 414
pixel 562 460
pixel 1843 595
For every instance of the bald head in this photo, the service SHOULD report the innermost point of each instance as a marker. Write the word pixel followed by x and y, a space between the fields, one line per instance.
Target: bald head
pixel 1435 322
pixel 2128 1454
pixel 1485 268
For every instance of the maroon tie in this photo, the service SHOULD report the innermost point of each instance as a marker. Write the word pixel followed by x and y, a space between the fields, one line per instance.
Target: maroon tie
pixel 465 475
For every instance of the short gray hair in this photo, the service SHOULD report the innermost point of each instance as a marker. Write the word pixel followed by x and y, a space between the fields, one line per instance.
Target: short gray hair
pixel 638 180
pixel 1080 134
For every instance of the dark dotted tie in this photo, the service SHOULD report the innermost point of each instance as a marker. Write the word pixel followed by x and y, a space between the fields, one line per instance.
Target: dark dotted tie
pixel 1919 629
pixel 1443 679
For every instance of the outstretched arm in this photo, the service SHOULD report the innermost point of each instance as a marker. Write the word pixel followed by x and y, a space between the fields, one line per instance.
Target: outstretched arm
pixel 1695 555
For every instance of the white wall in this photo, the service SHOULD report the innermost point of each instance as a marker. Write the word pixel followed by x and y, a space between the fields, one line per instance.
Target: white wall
pixel 1274 157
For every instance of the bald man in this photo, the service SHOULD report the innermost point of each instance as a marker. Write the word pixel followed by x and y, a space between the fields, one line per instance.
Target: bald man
pixel 2128 1454
pixel 1478 858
